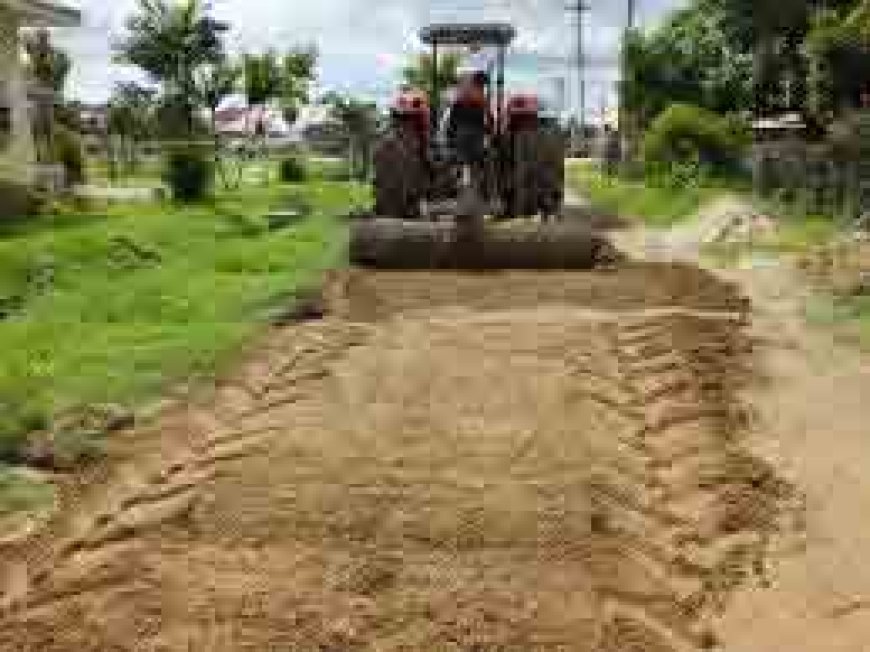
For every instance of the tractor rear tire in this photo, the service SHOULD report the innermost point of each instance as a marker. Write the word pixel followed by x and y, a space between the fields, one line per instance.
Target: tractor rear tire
pixel 400 176
pixel 394 244
pixel 529 245
pixel 389 244
pixel 522 183
pixel 551 172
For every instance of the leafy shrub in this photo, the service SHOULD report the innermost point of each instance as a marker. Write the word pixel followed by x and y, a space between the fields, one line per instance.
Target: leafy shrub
pixel 292 170
pixel 71 449
pixel 688 134
pixel 16 423
pixel 677 175
pixel 189 174
pixel 19 200
pixel 67 150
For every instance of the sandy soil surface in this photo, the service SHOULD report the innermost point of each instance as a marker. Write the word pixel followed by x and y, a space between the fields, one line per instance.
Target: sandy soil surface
pixel 481 462
pixel 812 407
pixel 810 403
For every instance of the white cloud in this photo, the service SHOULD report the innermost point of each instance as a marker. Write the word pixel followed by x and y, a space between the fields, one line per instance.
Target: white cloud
pixel 361 41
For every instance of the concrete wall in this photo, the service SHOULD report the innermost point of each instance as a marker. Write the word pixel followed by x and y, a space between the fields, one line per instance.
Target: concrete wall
pixel 17 155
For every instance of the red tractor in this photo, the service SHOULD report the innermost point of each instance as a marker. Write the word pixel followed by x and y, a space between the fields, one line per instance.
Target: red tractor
pixel 485 154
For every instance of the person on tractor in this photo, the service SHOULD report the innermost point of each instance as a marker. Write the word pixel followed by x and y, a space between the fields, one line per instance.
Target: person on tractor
pixel 410 110
pixel 469 120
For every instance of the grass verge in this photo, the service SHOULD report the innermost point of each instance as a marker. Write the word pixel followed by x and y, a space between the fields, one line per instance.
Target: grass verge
pixel 22 492
pixel 656 206
pixel 113 306
pixel 805 241
pixel 835 312
pixel 792 237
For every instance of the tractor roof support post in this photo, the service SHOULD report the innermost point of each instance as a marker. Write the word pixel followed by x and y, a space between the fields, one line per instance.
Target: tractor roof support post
pixel 499 86
pixel 435 100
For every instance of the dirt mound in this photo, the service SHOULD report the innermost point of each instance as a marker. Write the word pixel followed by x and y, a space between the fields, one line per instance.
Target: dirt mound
pixel 379 295
pixel 446 462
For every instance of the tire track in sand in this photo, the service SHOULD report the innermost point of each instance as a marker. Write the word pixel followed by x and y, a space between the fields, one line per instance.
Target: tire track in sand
pixel 702 525
pixel 470 535
pixel 170 493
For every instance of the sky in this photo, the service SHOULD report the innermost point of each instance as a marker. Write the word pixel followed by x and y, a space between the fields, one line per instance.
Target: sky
pixel 363 43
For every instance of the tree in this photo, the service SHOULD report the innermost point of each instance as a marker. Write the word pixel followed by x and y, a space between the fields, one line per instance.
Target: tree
pixel 262 82
pixel 261 77
pixel 215 83
pixel 49 68
pixel 130 121
pixel 788 75
pixel 839 51
pixel 286 79
pixel 359 119
pixel 171 41
pixel 419 75
pixel 297 73
pixel 806 56
pixel 692 58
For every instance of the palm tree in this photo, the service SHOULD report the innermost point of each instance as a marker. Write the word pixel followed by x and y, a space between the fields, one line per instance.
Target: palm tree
pixel 131 120
pixel 262 83
pixel 419 75
pixel 171 41
pixel 297 73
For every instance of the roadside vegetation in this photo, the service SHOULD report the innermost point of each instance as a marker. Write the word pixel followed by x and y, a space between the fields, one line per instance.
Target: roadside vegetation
pixel 658 203
pixel 764 101
pixel 848 317
pixel 107 301
pixel 112 307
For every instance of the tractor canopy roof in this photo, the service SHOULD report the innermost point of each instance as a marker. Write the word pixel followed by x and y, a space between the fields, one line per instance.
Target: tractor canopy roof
pixel 468 34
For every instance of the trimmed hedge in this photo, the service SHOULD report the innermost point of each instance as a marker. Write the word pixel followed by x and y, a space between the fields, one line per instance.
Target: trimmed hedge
pixel 687 134
pixel 19 200
pixel 67 151
pixel 189 174
pixel 292 170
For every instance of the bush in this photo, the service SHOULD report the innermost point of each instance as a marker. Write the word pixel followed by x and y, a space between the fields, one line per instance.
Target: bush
pixel 19 200
pixel 189 174
pixel 16 423
pixel 67 151
pixel 292 170
pixel 677 175
pixel 687 134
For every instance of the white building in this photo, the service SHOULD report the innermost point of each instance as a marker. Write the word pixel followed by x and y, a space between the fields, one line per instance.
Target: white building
pixel 17 155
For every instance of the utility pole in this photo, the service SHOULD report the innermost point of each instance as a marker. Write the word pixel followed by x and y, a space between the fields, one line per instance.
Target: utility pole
pixel 630 18
pixel 580 8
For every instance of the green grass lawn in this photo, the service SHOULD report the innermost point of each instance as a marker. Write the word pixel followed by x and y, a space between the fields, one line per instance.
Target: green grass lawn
pixel 115 305
pixel 149 171
pixel 635 199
